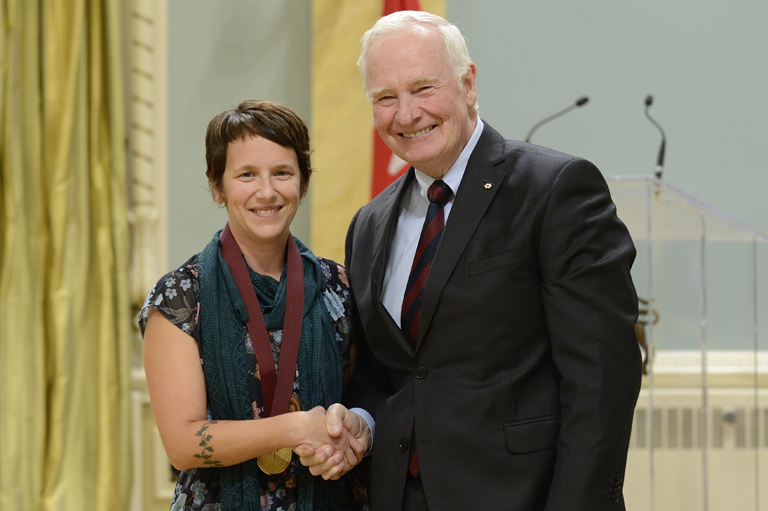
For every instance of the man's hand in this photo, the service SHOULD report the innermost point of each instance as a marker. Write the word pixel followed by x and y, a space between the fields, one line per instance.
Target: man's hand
pixel 355 438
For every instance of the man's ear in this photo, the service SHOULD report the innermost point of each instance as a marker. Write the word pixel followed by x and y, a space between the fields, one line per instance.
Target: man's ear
pixel 470 85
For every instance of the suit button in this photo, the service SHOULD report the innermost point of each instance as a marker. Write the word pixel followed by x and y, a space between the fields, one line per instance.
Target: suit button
pixel 421 373
pixel 616 499
pixel 403 444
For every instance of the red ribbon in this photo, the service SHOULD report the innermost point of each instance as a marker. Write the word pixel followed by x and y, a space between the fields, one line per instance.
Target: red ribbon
pixel 276 386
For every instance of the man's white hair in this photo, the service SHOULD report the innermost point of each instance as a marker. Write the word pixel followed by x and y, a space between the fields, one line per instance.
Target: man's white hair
pixel 455 46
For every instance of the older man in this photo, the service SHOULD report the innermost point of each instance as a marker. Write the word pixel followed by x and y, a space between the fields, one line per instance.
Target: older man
pixel 495 303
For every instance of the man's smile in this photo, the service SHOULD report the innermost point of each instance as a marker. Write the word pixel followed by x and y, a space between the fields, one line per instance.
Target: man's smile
pixel 418 133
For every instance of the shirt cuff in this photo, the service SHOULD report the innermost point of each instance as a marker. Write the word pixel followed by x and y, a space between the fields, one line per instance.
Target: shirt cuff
pixel 371 424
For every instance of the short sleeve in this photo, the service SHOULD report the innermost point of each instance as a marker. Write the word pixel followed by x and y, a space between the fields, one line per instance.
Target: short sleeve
pixel 177 297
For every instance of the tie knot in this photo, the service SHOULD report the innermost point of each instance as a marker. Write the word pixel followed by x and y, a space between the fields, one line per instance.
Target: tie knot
pixel 439 192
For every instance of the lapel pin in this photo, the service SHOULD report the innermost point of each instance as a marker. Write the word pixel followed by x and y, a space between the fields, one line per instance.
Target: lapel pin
pixel 488 186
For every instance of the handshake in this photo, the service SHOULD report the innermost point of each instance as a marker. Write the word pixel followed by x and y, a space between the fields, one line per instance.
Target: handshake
pixel 337 441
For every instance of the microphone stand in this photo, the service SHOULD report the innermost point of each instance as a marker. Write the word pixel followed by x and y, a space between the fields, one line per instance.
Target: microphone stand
pixel 579 102
pixel 662 149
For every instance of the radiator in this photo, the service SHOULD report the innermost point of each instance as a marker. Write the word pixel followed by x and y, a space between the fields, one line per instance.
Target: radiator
pixel 695 452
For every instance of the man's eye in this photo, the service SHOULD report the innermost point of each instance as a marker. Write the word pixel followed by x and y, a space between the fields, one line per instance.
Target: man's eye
pixel 246 174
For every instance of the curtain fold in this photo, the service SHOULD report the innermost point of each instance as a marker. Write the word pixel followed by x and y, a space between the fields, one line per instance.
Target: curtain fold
pixel 65 316
pixel 22 258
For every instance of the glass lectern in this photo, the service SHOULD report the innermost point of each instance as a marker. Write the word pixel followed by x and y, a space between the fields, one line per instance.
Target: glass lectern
pixel 700 432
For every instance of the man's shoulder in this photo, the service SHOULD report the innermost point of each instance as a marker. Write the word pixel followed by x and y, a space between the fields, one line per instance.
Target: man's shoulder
pixel 382 203
pixel 523 156
pixel 526 151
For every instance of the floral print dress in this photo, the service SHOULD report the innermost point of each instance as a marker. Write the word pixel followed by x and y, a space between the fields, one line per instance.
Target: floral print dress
pixel 177 297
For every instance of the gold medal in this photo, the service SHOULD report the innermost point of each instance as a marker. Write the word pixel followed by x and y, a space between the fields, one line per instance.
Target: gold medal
pixel 275 462
pixel 295 406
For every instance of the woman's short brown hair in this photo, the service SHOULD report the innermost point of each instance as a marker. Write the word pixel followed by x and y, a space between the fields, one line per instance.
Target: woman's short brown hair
pixel 253 118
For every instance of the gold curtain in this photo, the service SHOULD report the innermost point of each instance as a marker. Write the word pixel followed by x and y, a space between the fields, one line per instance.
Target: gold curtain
pixel 65 316
pixel 342 126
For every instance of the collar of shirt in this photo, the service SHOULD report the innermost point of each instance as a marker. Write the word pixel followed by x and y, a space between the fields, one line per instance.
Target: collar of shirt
pixel 418 199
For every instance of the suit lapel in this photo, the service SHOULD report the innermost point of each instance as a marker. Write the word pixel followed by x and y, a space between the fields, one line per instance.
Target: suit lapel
pixel 472 200
pixel 386 224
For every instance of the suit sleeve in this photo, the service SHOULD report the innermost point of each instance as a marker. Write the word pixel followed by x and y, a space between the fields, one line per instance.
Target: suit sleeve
pixel 590 304
pixel 369 382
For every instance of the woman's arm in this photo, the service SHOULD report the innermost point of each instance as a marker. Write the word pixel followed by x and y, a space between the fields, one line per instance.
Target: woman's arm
pixel 178 394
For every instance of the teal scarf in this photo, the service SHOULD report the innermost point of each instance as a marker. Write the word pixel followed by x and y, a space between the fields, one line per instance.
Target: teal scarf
pixel 222 321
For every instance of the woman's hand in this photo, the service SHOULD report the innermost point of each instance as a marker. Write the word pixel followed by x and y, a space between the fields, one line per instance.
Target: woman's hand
pixel 352 438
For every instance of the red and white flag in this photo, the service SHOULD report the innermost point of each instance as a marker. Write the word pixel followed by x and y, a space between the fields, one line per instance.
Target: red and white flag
pixel 386 165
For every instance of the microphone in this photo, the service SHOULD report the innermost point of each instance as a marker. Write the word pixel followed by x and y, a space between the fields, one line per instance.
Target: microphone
pixel 660 159
pixel 579 102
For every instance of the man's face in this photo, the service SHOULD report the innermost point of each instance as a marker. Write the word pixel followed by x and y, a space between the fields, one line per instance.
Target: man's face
pixel 419 108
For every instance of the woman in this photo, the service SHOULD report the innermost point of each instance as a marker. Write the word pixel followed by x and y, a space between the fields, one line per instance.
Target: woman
pixel 253 294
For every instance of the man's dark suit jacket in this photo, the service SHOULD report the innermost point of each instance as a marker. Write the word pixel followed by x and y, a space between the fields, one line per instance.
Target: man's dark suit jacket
pixel 526 371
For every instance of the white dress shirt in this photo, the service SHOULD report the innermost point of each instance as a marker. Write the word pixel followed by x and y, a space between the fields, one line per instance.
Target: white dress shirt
pixel 412 214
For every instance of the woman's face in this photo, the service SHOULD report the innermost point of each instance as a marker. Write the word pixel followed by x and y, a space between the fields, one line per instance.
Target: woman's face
pixel 261 188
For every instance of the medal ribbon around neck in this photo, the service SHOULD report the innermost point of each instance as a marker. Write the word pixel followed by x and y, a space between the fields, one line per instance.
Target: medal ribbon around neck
pixel 276 387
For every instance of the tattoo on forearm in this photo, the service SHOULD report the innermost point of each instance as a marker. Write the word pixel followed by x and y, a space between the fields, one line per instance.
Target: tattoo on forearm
pixel 205 453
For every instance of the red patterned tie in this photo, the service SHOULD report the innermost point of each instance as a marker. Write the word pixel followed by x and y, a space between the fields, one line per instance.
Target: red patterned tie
pixel 439 193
